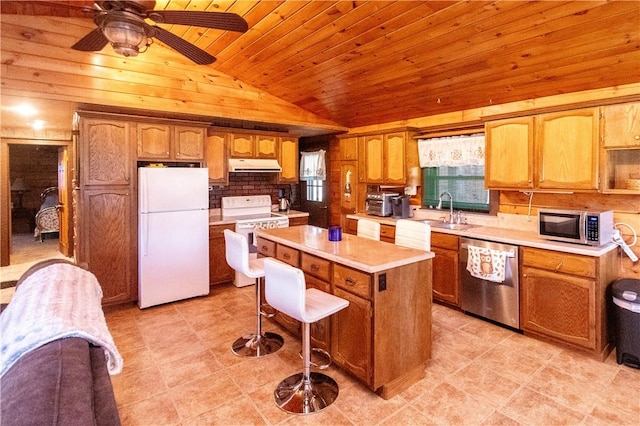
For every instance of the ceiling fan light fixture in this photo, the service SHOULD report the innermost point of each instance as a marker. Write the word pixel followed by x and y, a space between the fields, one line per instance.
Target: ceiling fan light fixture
pixel 126 37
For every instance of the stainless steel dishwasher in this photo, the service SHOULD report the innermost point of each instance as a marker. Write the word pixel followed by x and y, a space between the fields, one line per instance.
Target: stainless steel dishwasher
pixel 497 301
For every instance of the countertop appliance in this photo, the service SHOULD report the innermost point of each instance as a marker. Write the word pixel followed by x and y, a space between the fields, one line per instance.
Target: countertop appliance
pixel 173 234
pixel 484 290
pixel 400 207
pixel 251 212
pixel 593 228
pixel 379 203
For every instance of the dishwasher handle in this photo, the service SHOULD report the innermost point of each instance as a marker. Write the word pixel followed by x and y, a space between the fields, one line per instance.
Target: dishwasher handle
pixel 465 246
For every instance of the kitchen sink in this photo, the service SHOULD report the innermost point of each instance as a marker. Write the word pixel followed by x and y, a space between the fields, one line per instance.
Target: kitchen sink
pixel 447 225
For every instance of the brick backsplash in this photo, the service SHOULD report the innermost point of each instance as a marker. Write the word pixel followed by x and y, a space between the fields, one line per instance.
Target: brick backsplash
pixel 253 184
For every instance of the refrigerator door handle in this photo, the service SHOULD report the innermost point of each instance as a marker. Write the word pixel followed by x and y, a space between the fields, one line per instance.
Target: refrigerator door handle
pixel 144 234
pixel 143 194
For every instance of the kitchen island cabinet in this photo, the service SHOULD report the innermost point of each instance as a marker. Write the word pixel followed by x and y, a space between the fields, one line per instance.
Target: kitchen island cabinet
pixel 384 337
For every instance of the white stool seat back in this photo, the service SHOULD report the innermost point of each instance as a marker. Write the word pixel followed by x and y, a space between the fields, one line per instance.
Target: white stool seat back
pixel 413 234
pixel 237 255
pixel 368 229
pixel 285 290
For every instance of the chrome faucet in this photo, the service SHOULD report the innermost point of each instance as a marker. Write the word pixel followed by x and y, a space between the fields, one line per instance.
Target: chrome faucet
pixel 450 204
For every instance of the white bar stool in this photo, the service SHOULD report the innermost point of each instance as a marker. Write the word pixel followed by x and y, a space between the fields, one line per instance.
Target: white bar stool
pixel 285 289
pixel 413 234
pixel 368 229
pixel 237 254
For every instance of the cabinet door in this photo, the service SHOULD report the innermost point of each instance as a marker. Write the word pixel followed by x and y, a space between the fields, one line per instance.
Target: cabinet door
pixel 509 153
pixel 106 245
pixel 266 146
pixel 189 143
pixel 348 149
pixel 393 160
pixel 320 330
pixel 622 125
pixel 568 149
pixel 347 188
pixel 373 159
pixel 241 145
pixel 559 306
pixel 216 157
pixel 445 276
pixel 351 347
pixel 288 159
pixel 219 269
pixel 104 152
pixel 153 141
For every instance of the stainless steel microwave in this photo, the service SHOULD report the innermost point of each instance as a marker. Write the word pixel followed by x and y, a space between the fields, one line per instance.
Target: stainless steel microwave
pixel 593 228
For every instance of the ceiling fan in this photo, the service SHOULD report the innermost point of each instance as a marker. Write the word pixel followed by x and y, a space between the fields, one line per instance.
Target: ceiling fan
pixel 122 24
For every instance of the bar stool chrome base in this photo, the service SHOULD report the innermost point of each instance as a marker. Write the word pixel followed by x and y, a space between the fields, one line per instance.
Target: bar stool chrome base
pixel 299 396
pixel 254 346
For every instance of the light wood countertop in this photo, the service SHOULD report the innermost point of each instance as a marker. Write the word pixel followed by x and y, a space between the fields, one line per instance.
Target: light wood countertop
pixel 359 253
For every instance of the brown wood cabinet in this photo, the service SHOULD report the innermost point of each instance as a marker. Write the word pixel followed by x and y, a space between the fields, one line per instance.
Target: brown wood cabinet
pixel 297 221
pixel 161 141
pixel 348 150
pixel 563 154
pixel 288 159
pixel 219 270
pixel 106 221
pixel 445 268
pixel 620 154
pixel 381 158
pixel 564 297
pixel 251 145
pixel 509 156
pixel 216 157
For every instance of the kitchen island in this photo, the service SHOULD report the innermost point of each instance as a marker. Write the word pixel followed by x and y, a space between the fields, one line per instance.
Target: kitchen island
pixel 384 337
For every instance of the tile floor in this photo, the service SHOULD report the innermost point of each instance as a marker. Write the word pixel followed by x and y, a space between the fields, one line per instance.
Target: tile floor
pixel 179 370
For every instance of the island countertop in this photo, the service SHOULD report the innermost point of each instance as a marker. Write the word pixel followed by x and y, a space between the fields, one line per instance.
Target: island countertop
pixel 356 252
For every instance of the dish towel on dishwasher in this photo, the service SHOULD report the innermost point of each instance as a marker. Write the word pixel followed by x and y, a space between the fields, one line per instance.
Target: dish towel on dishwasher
pixel 487 264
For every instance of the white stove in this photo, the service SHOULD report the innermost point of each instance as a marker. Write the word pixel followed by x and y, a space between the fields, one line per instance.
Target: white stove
pixel 251 212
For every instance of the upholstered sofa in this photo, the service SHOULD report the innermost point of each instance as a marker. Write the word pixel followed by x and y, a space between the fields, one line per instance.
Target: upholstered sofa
pixel 56 353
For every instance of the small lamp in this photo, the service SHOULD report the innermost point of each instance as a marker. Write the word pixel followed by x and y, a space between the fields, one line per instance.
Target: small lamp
pixel 20 188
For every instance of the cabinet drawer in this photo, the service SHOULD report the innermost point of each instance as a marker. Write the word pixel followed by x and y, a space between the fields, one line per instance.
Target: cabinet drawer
pixel 387 232
pixel 574 264
pixel 351 280
pixel 217 231
pixel 288 255
pixel 445 241
pixel 316 266
pixel 266 248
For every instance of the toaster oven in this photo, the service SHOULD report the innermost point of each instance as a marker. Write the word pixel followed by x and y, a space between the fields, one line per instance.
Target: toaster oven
pixel 379 203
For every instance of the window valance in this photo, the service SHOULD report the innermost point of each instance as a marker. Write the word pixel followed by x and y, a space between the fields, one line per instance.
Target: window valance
pixel 452 151
pixel 313 165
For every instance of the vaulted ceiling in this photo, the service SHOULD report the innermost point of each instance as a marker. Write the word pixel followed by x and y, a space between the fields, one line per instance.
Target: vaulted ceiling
pixel 360 63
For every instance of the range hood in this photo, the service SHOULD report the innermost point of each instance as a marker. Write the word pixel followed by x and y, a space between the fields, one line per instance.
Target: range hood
pixel 253 165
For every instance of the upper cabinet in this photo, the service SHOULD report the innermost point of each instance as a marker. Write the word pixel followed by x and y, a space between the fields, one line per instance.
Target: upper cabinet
pixel 103 152
pixel 288 159
pixel 160 141
pixel 620 152
pixel 247 145
pixel 382 158
pixel 556 151
pixel 347 149
pixel 216 156
pixel 509 153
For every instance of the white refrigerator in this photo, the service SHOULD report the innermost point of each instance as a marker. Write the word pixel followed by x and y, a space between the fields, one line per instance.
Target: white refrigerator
pixel 173 234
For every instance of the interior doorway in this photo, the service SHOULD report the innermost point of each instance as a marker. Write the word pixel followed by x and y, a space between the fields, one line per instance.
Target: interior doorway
pixel 34 168
pixel 315 194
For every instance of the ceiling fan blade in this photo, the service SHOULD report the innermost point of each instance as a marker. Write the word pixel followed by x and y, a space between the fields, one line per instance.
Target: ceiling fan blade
pixel 218 20
pixel 182 46
pixel 92 42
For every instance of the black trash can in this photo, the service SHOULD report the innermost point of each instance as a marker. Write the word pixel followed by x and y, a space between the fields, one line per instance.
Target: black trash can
pixel 626 300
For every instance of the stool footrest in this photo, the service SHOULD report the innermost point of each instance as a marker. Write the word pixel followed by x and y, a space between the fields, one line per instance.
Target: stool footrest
pixel 326 354
pixel 257 345
pixel 266 313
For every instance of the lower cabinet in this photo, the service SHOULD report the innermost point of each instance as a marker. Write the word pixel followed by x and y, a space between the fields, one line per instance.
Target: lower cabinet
pixel 564 297
pixel 219 270
pixel 296 221
pixel 445 268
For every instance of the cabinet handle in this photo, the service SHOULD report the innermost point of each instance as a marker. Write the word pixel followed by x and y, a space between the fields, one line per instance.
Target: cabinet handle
pixel 637 137
pixel 350 281
pixel 559 265
pixel 315 267
pixel 264 249
pixel 286 256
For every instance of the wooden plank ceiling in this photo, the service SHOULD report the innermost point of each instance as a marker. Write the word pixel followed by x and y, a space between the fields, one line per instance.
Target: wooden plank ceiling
pixel 360 63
